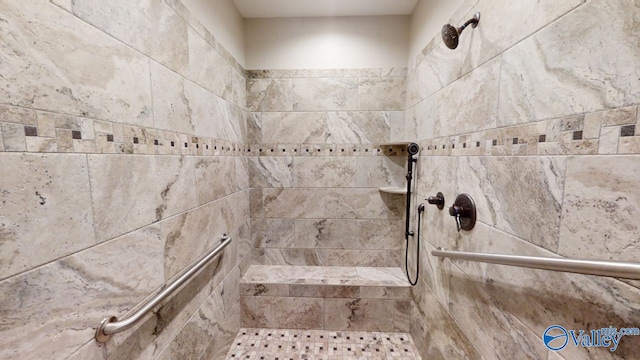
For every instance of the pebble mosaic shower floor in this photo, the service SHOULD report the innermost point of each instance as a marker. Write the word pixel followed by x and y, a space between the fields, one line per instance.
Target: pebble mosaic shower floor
pixel 279 344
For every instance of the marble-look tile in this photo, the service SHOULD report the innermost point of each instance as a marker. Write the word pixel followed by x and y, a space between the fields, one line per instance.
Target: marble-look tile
pixel 254 128
pixel 225 334
pixel 255 201
pixel 219 176
pixel 436 333
pixel 609 139
pixel 621 116
pixel 331 202
pixel 264 289
pixel 17 115
pixel 172 109
pixel 440 67
pixel 325 172
pixel 43 197
pixel 282 313
pixel 382 276
pixel 294 127
pixel 208 68
pixel 274 233
pixel 326 233
pixel 92 350
pixel 380 171
pixel 270 95
pixel 600 209
pixel 381 93
pixel 132 191
pixel 271 171
pixel 14 138
pixel 60 303
pixel 360 127
pixel 378 234
pixel 359 314
pixel 571 58
pixel 312 94
pixel 308 275
pixel 385 292
pixel 469 104
pixel 496 185
pixel 324 291
pixel 491 38
pixel 402 316
pixel 118 89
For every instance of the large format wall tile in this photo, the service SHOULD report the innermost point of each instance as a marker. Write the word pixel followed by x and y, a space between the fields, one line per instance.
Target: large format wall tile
pixel 469 104
pixel 385 93
pixel 270 171
pixel 101 78
pixel 172 109
pixel 208 68
pixel 573 60
pixel 601 209
pixel 312 94
pixel 504 24
pixel 50 312
pixel 46 209
pixel 360 127
pixel 293 128
pixel 149 26
pixel 217 177
pixel 520 195
pixel 270 95
pixel 131 191
pixel 284 312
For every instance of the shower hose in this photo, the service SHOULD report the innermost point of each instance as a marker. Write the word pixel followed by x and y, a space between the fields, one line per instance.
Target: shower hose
pixel 406 253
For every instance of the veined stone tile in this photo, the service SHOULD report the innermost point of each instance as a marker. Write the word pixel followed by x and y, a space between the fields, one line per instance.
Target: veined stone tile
pixel 294 127
pixel 324 291
pixel 440 67
pixel 46 212
pixel 312 94
pixel 496 184
pixel 571 58
pixel 254 128
pixel 381 93
pixel 382 276
pixel 378 234
pixel 305 275
pixel 271 171
pixel 274 233
pixel 16 115
pixel 162 36
pixel 380 171
pixel 326 233
pixel 359 314
pixel 215 177
pixel 118 89
pixel 208 68
pixel 491 38
pixel 474 96
pixel 622 116
pixel 282 313
pixel 255 200
pixel 132 191
pixel 385 292
pixel 331 257
pixel 270 95
pixel 323 172
pixel 172 103
pixel 14 137
pixel 601 207
pixel 92 350
pixel 58 304
pixel 227 330
pixel 264 289
pixel 609 139
pixel 360 127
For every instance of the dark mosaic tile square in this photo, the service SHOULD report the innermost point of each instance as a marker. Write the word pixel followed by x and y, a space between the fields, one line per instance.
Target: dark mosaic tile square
pixel 76 135
pixel 494 142
pixel 515 141
pixel 136 140
pixel 155 142
pixel 477 143
pixel 109 138
pixel 542 138
pixel 628 130
pixel 173 143
pixel 31 131
pixel 577 135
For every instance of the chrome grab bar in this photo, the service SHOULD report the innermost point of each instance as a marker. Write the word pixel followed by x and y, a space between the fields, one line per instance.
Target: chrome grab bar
pixel 111 325
pixel 618 269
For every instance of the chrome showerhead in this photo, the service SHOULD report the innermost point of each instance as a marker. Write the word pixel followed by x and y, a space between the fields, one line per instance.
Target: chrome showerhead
pixel 451 35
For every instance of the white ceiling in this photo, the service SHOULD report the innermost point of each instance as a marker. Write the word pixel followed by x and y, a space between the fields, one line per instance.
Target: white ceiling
pixel 319 8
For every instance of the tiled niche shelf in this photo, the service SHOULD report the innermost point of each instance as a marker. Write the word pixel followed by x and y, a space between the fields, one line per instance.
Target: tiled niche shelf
pixel 393 190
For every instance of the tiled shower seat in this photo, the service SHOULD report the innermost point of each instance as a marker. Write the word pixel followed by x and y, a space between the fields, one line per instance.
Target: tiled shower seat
pixel 325 298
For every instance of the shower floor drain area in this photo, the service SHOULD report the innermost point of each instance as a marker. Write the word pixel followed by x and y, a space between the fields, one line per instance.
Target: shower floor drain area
pixel 278 344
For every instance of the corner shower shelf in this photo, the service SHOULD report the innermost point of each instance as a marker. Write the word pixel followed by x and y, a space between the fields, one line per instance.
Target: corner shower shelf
pixel 396 143
pixel 393 190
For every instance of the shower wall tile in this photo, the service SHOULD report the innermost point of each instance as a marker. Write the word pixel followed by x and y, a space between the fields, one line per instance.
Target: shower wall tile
pixel 268 95
pixel 59 303
pixel 571 59
pixel 440 67
pixel 285 312
pixel 519 195
pixel 328 257
pixel 357 127
pixel 601 205
pixel 381 93
pixel 53 187
pixel 360 314
pixel 132 191
pixel 163 36
pixel 294 127
pixel 45 75
pixel 312 94
pixel 503 25
pixel 208 68
pixel 271 172
pixel 211 185
pixel 172 109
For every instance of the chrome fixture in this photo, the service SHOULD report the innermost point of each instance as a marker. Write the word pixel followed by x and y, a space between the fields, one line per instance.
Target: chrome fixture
pixel 618 269
pixel 451 34
pixel 111 325
pixel 464 210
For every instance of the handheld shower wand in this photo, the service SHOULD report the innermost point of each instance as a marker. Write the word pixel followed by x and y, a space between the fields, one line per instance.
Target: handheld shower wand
pixel 412 150
pixel 451 34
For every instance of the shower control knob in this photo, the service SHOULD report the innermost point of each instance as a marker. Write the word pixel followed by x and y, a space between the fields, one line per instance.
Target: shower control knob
pixel 437 200
pixel 464 211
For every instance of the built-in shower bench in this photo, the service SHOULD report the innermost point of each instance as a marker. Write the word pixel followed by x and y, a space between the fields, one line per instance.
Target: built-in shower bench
pixel 325 297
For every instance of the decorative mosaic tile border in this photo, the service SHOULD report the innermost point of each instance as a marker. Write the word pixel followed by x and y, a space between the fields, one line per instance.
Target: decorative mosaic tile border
pixel 614 131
